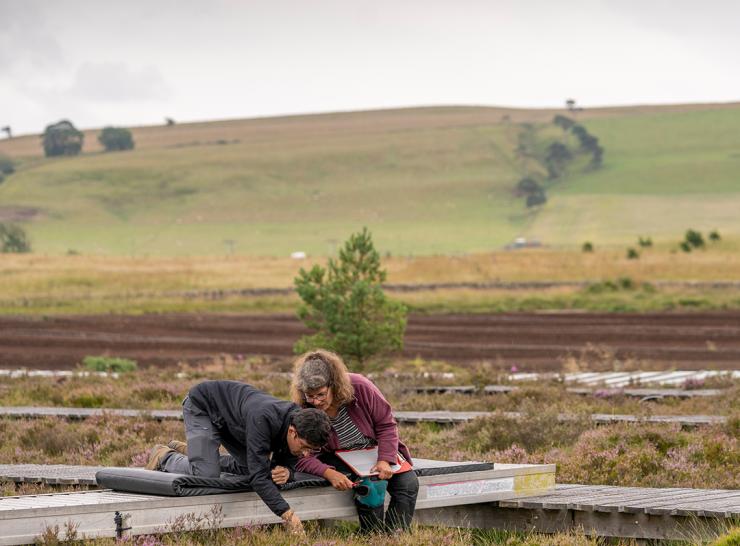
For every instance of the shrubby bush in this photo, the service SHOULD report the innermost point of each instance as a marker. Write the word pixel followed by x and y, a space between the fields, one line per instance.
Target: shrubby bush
pixel 13 239
pixel 62 138
pixel 116 139
pixel 108 364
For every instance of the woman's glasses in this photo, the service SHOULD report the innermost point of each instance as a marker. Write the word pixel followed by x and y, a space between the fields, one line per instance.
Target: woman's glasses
pixel 318 397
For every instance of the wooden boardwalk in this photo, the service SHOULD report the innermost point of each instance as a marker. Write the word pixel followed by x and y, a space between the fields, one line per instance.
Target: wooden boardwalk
pixel 644 393
pixel 23 518
pixel 442 417
pixel 50 474
pixel 606 511
pixel 602 510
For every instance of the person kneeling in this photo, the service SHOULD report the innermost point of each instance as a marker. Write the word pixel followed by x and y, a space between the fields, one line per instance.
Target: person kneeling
pixel 264 438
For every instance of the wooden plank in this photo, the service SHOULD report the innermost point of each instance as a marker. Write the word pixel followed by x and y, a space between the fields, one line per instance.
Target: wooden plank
pixel 646 392
pixel 443 389
pixel 24 518
pixel 401 416
pixel 500 389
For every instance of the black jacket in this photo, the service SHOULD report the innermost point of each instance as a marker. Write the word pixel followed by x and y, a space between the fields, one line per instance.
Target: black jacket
pixel 257 424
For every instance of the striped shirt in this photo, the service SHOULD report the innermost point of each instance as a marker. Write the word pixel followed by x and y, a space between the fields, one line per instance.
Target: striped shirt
pixel 348 434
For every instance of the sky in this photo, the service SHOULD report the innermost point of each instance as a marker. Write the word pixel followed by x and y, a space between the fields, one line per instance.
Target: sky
pixel 136 62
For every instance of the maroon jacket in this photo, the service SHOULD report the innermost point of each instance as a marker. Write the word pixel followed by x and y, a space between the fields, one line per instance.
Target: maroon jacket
pixel 372 414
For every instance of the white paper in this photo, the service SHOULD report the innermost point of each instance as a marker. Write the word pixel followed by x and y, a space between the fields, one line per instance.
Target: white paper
pixel 362 460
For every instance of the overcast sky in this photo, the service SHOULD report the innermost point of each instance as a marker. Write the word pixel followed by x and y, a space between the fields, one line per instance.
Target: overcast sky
pixel 134 62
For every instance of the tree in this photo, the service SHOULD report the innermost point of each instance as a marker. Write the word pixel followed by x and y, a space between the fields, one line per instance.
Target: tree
pixel 528 186
pixel 13 239
pixel 587 247
pixel 570 104
pixel 116 138
pixel 62 139
pixel 346 307
pixel 694 238
pixel 632 254
pixel 557 157
pixel 565 123
pixel 6 165
pixel 714 236
pixel 7 130
pixel 536 199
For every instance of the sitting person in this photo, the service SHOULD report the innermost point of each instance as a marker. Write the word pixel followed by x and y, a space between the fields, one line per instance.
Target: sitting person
pixel 263 435
pixel 361 417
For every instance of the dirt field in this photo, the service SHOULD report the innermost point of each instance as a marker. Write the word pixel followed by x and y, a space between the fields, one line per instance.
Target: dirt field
pixel 529 341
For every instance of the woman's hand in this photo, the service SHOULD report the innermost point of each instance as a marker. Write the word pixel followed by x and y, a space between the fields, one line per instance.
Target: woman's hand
pixel 338 481
pixel 280 475
pixel 383 468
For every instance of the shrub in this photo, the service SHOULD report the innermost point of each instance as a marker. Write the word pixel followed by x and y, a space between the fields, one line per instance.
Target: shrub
pixel 536 199
pixel 109 364
pixel 6 165
pixel 527 186
pixel 534 430
pixel 632 254
pixel 116 138
pixel 694 238
pixel 587 247
pixel 645 242
pixel 714 236
pixel 13 239
pixel 346 307
pixel 686 247
pixel 62 139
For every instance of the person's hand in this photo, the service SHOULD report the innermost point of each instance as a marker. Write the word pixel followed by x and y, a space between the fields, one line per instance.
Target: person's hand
pixel 383 468
pixel 338 481
pixel 293 523
pixel 280 475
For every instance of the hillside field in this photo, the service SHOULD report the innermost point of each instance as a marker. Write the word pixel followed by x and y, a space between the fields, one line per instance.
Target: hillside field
pixel 424 181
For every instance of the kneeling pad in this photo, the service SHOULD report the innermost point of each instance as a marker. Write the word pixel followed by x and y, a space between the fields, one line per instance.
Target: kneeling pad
pixel 154 482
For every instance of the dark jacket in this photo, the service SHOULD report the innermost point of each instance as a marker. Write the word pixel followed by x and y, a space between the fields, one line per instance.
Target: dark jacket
pixel 373 415
pixel 257 425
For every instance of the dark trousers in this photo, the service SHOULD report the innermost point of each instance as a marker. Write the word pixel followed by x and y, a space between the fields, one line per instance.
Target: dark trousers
pixel 402 488
pixel 204 458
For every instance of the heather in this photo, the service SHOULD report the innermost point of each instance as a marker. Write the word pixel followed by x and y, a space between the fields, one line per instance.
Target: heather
pixel 335 535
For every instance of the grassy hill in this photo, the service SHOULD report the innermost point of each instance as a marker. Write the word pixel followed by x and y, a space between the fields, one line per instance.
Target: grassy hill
pixel 425 181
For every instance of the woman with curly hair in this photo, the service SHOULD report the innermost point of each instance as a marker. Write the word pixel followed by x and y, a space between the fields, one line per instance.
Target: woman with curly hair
pixel 361 417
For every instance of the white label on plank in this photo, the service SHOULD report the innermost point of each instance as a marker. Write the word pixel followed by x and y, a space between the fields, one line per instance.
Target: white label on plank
pixel 465 489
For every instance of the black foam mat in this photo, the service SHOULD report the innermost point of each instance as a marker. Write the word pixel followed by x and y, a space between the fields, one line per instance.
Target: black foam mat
pixel 151 482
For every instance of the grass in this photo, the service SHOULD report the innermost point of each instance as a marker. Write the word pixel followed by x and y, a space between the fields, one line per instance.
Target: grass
pixel 36 284
pixel 425 181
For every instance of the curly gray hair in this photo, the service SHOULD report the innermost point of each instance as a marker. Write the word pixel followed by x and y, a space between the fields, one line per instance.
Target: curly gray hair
pixel 314 374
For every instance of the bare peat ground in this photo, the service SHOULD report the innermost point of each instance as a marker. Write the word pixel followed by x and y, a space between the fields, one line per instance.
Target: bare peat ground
pixel 531 341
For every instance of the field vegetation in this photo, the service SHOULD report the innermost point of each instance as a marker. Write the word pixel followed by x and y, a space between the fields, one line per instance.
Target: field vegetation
pixel 626 454
pixel 424 181
pixel 34 284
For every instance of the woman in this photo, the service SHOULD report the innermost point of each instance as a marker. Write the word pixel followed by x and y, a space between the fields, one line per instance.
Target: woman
pixel 361 417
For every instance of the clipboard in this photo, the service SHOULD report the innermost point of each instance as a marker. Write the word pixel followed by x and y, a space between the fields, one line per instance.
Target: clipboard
pixel 360 461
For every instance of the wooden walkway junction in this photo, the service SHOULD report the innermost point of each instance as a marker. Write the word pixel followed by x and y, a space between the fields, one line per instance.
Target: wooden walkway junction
pixel 23 518
pixel 441 417
pixel 605 511
pixel 630 512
